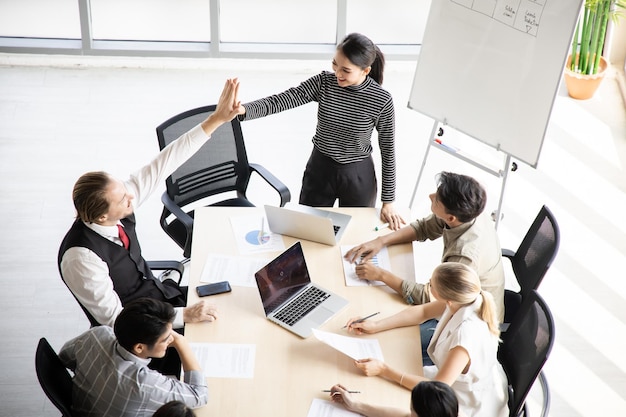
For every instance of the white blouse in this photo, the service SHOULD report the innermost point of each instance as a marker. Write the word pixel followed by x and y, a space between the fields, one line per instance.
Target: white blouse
pixel 482 391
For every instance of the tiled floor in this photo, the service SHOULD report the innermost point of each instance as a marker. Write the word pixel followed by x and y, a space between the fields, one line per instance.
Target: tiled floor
pixel 60 117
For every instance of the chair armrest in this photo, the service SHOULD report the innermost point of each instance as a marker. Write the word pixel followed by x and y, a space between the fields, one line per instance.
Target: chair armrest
pixel 168 266
pixel 173 208
pixel 170 207
pixel 283 191
pixel 508 253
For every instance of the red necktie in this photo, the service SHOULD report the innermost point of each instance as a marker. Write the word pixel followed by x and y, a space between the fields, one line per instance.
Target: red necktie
pixel 123 236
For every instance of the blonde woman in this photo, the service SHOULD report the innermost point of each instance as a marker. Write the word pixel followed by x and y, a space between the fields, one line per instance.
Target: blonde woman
pixel 463 348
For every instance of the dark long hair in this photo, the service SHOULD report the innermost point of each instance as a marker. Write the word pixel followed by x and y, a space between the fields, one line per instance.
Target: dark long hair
pixel 363 53
pixel 434 399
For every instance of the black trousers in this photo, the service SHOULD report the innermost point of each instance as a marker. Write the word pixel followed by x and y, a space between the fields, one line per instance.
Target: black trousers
pixel 325 181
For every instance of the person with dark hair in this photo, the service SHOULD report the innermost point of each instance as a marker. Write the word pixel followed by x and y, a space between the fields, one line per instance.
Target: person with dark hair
pixel 468 237
pixel 428 399
pixel 464 347
pixel 111 374
pixel 434 399
pixel 100 258
pixel 143 321
pixel 174 409
pixel 351 104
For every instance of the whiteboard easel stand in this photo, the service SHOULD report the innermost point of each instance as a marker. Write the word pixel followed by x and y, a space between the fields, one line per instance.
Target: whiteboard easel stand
pixel 502 173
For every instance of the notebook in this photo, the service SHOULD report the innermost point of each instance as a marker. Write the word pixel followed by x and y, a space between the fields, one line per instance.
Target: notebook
pixel 309 223
pixel 289 297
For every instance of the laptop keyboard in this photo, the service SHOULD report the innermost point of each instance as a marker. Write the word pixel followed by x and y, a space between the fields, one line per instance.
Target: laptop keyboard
pixel 298 308
pixel 336 228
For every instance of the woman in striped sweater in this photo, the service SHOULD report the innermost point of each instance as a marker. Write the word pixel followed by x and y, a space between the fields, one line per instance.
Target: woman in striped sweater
pixel 351 103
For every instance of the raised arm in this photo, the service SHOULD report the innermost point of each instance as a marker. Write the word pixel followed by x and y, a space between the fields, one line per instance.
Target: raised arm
pixel 193 390
pixel 227 107
pixel 188 359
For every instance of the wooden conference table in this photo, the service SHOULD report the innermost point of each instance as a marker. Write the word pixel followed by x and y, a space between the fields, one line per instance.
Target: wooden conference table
pixel 290 371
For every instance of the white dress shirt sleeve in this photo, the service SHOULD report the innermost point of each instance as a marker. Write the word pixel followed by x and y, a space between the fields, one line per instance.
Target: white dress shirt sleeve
pixel 85 273
pixel 179 321
pixel 146 180
pixel 87 276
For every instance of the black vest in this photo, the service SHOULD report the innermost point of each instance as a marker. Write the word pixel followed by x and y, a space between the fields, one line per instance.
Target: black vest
pixel 128 270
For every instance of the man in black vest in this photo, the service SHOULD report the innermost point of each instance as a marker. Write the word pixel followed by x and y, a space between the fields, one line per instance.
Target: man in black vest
pixel 100 258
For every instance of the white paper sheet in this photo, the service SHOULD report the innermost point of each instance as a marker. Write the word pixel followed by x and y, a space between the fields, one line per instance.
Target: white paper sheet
pixel 323 408
pixel 225 360
pixel 354 347
pixel 238 270
pixel 381 259
pixel 253 235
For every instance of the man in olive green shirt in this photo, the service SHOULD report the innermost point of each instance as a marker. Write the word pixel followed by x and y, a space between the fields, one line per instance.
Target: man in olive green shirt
pixel 469 237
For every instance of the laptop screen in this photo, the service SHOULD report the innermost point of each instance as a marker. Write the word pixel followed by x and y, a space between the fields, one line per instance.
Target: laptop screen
pixel 282 278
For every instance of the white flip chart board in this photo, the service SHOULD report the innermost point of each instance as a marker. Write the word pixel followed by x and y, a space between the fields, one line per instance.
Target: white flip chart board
pixel 491 69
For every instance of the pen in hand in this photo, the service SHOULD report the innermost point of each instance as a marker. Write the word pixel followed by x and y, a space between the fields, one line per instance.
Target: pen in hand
pixel 351 392
pixel 362 320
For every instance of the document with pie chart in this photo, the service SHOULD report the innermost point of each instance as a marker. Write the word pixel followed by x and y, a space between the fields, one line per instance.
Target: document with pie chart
pixel 253 235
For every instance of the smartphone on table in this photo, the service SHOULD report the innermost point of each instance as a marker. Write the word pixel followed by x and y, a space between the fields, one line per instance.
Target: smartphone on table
pixel 213 289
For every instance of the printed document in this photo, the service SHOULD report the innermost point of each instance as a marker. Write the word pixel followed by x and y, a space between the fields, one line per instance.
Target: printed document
pixel 354 347
pixel 225 360
pixel 238 270
pixel 323 408
pixel 253 235
pixel 381 260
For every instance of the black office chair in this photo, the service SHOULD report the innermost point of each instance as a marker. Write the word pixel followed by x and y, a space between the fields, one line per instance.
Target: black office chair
pixel 524 350
pixel 54 378
pixel 532 259
pixel 166 266
pixel 219 168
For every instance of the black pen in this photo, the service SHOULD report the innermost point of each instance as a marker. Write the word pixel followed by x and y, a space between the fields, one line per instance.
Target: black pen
pixel 351 392
pixel 363 319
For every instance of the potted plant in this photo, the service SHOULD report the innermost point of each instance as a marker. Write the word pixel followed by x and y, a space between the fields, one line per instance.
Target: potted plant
pixel 585 65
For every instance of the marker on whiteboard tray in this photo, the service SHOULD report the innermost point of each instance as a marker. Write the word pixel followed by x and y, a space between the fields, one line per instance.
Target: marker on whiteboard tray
pixel 443 145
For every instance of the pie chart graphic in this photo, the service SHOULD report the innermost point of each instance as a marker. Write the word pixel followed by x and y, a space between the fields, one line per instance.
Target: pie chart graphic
pixel 257 237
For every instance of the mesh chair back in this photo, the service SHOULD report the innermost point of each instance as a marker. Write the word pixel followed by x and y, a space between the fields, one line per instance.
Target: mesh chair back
pixel 53 377
pixel 536 252
pixel 525 348
pixel 220 165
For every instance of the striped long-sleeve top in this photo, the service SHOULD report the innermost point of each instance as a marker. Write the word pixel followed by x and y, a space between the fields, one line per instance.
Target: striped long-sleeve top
pixel 109 381
pixel 346 118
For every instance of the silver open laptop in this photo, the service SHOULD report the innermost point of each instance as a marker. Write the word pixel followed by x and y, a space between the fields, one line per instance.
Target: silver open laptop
pixel 289 297
pixel 309 223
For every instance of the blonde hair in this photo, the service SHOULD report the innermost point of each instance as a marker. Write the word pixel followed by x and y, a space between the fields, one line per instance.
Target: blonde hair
pixel 457 282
